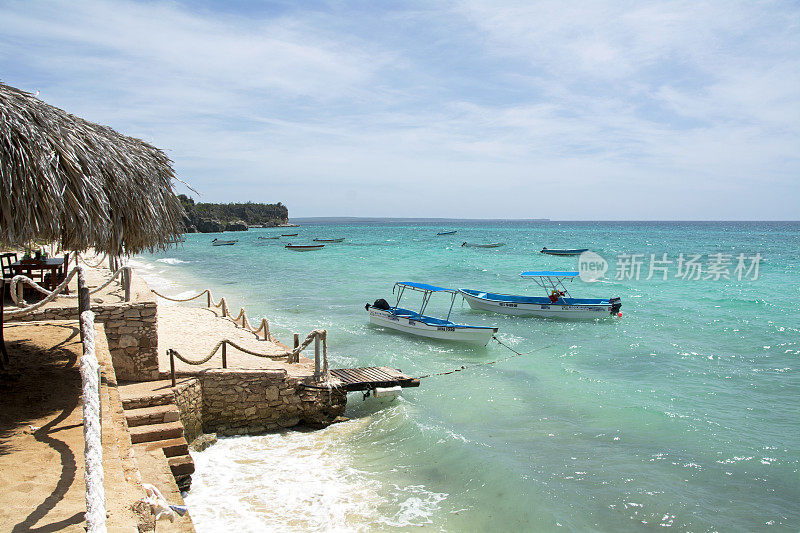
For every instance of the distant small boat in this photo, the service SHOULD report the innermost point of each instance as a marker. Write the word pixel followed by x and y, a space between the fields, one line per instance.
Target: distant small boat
pixel 447 232
pixel 217 242
pixel 490 245
pixel 288 234
pixel 329 240
pixel 304 247
pixel 268 238
pixel 563 251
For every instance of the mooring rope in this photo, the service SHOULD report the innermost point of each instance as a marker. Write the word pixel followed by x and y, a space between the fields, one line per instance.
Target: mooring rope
pixel 501 343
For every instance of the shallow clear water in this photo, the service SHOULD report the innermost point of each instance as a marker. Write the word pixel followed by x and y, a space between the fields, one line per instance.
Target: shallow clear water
pixel 681 414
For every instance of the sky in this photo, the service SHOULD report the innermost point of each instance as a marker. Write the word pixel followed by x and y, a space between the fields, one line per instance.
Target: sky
pixel 683 110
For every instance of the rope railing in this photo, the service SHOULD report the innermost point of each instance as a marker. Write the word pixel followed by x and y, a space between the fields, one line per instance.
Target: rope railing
pixel 19 281
pixel 92 422
pixel 319 336
pixel 240 320
pixel 85 262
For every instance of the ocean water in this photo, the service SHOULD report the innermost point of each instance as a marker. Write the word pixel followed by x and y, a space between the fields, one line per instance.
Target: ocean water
pixel 681 414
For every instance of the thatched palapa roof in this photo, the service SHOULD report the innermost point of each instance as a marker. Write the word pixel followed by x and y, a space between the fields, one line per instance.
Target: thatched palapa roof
pixel 67 180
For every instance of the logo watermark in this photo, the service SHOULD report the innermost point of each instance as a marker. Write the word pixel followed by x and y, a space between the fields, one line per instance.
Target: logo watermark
pixel 591 266
pixel 691 267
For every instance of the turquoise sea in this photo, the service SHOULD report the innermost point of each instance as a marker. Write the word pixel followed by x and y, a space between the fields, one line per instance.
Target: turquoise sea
pixel 682 414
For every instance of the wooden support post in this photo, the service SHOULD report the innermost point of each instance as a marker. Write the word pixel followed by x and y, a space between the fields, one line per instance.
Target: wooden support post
pixel 126 283
pixel 84 300
pixel 296 357
pixel 171 365
pixel 224 354
pixel 21 294
pixel 316 358
pixel 208 293
pixel 2 340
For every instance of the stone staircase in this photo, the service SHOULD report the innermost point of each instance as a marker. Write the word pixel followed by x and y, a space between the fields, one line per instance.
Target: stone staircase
pixel 153 421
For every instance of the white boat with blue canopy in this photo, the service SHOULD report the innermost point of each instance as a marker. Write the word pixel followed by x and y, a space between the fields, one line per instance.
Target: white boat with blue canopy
pixel 557 304
pixel 417 323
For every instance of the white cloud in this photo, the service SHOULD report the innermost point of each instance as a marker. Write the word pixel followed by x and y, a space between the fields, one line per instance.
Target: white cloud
pixel 642 105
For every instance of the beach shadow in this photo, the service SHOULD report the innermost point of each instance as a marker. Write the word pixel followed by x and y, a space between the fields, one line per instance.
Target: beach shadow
pixel 68 469
pixel 42 387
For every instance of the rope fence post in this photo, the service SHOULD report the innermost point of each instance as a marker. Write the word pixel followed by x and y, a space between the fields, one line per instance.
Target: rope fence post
pixel 126 283
pixel 208 294
pixel 316 357
pixel 296 355
pixel 224 354
pixel 171 365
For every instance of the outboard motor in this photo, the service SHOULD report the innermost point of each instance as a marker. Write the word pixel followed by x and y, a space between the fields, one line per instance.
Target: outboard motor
pixel 382 304
pixel 616 304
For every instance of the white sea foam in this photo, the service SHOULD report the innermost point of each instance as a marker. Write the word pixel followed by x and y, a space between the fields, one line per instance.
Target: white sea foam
pixel 299 481
pixel 171 261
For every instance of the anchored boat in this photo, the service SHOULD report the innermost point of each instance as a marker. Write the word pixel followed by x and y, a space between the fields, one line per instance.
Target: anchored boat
pixel 304 247
pixel 329 240
pixel 557 304
pixel 563 251
pixel 417 323
pixel 217 242
pixel 447 232
pixel 489 245
pixel 288 234
pixel 270 238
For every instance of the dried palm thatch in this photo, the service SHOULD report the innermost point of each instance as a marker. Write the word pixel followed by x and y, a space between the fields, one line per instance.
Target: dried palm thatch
pixel 64 179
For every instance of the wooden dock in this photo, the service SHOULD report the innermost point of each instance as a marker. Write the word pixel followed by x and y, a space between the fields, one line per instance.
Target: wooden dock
pixel 367 378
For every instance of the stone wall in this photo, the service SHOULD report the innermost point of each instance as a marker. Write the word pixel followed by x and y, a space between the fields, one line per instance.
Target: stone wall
pixel 189 399
pixel 131 329
pixel 239 402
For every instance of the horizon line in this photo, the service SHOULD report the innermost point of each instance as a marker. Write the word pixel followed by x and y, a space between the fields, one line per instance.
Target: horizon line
pixel 532 219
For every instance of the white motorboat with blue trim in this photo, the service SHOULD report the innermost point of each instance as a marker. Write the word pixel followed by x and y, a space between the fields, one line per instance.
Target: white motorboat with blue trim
pixel 557 304
pixel 417 323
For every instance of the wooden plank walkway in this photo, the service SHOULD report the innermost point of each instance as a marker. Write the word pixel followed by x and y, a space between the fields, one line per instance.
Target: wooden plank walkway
pixel 367 378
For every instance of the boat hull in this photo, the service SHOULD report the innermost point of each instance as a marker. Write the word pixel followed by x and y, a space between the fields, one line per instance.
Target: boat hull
pixel 570 308
pixel 305 248
pixel 460 333
pixel 575 251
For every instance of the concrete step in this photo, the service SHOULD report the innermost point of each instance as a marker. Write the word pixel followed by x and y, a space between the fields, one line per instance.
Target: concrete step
pixel 152 415
pixel 181 465
pixel 155 432
pixel 170 447
pixel 147 400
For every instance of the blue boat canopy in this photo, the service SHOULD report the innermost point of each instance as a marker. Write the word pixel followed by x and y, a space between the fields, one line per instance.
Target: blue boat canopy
pixel 423 286
pixel 541 273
